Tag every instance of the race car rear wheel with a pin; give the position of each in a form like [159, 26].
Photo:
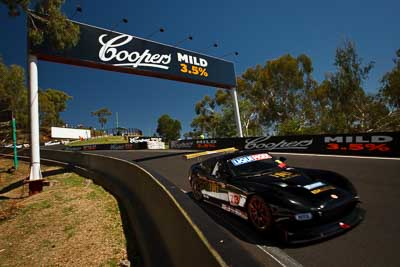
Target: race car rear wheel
[196, 190]
[259, 214]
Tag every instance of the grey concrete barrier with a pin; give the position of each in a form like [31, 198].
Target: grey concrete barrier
[166, 235]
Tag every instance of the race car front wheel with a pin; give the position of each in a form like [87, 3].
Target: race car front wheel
[196, 191]
[259, 213]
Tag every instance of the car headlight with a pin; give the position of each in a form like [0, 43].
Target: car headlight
[303, 216]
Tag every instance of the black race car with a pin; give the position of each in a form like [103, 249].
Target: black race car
[303, 204]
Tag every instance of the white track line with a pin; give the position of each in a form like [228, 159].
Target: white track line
[333, 156]
[279, 256]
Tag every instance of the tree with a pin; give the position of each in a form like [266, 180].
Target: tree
[51, 103]
[168, 128]
[279, 93]
[14, 97]
[47, 22]
[347, 103]
[13, 93]
[390, 89]
[389, 94]
[102, 115]
[208, 118]
[282, 98]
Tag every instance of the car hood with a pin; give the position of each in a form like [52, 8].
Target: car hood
[299, 189]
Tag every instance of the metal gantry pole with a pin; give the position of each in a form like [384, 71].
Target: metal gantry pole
[237, 113]
[35, 174]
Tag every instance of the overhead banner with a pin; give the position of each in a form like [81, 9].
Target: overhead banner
[385, 144]
[109, 50]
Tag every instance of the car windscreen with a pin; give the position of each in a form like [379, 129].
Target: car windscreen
[252, 164]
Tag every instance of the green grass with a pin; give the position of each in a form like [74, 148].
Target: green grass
[70, 230]
[111, 263]
[44, 204]
[71, 180]
[100, 140]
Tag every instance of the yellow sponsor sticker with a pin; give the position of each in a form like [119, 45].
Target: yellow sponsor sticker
[213, 187]
[322, 189]
[284, 175]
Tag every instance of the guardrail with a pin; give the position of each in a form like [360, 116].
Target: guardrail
[165, 234]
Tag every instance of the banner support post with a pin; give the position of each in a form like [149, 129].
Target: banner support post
[237, 112]
[35, 177]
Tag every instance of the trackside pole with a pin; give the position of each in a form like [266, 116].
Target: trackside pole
[237, 113]
[35, 177]
[14, 131]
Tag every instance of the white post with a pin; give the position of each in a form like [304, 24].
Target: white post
[237, 112]
[36, 173]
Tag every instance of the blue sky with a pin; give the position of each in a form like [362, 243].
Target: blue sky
[258, 30]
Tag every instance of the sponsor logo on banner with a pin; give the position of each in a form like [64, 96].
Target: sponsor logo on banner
[188, 144]
[134, 140]
[373, 143]
[117, 147]
[358, 139]
[206, 143]
[73, 148]
[192, 60]
[262, 143]
[109, 52]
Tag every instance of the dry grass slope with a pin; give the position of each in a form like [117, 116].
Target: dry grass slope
[71, 223]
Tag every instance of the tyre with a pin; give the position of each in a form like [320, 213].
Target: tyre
[259, 214]
[196, 190]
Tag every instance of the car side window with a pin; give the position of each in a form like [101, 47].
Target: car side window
[209, 166]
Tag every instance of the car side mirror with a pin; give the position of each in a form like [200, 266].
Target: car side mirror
[283, 159]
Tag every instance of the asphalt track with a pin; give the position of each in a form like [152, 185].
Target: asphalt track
[372, 243]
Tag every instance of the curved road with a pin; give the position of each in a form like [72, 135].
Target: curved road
[373, 243]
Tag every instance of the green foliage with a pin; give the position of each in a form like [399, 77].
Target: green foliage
[168, 128]
[14, 96]
[208, 119]
[47, 22]
[391, 84]
[13, 93]
[102, 115]
[51, 103]
[282, 98]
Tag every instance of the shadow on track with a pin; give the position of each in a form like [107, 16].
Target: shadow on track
[242, 229]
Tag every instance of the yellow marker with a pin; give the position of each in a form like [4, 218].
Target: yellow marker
[199, 154]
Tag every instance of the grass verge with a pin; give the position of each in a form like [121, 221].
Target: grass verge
[71, 223]
[100, 140]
